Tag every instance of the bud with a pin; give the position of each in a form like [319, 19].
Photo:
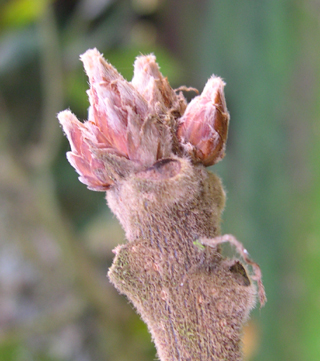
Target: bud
[203, 128]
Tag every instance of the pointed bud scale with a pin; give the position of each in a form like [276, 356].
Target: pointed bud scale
[148, 80]
[80, 156]
[203, 128]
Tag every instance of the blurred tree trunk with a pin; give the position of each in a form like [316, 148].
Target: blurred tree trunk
[303, 285]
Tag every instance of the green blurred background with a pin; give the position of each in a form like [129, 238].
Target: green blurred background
[56, 237]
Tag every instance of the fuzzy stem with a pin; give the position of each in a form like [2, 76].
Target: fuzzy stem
[193, 300]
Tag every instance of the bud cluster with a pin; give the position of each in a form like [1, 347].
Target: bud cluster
[132, 125]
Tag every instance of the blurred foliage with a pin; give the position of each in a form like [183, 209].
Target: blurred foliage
[22, 12]
[56, 237]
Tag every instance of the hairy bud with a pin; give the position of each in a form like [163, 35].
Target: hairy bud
[203, 128]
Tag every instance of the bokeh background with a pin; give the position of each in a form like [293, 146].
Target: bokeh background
[56, 237]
